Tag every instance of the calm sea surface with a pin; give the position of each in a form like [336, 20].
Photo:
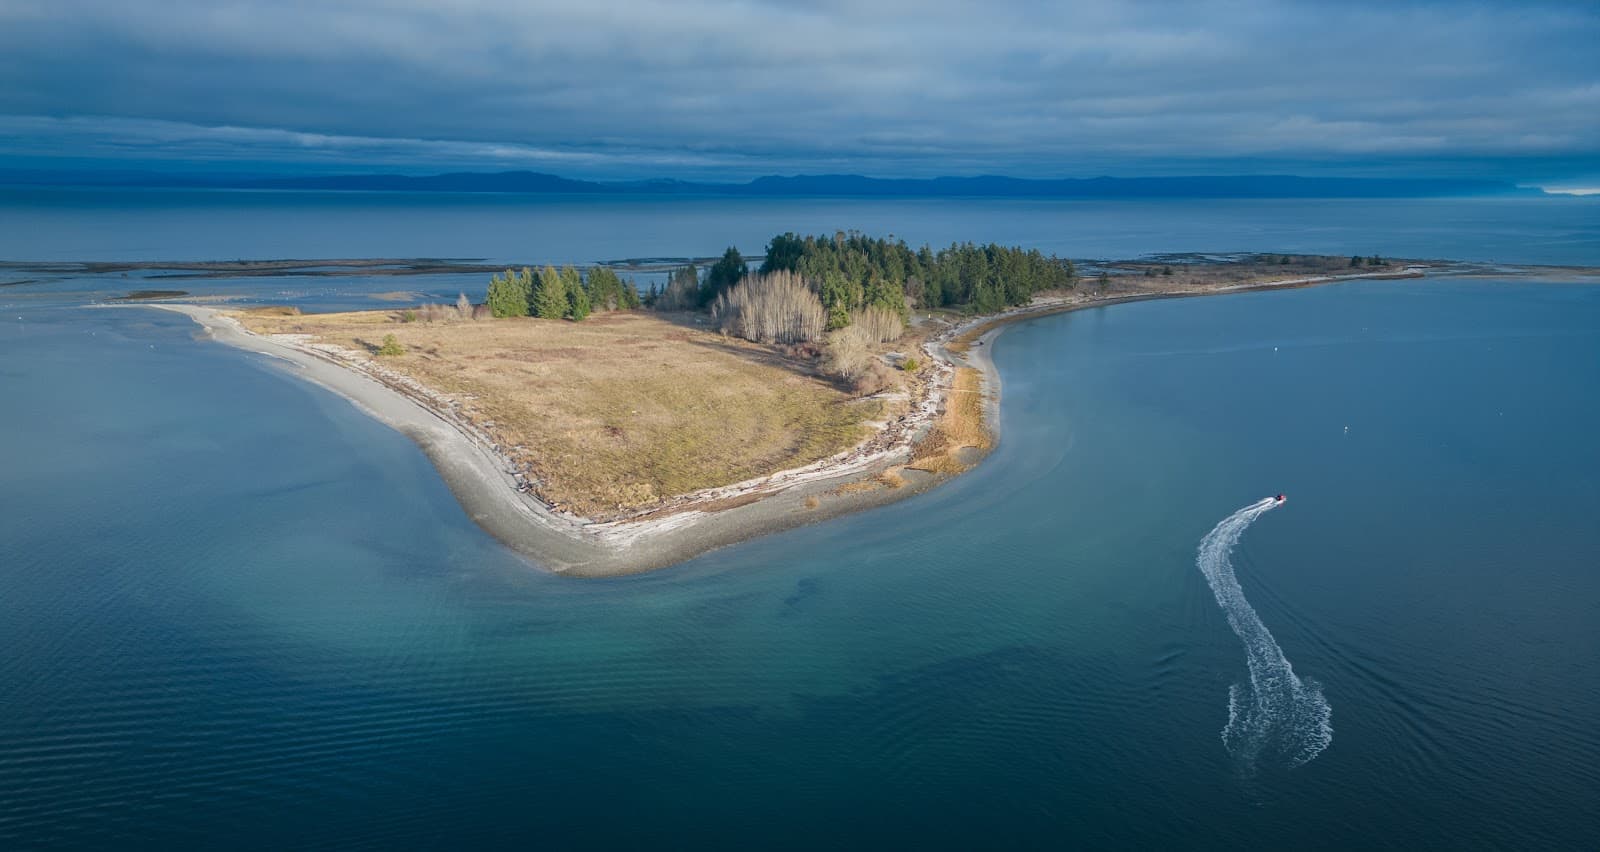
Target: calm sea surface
[194, 225]
[236, 612]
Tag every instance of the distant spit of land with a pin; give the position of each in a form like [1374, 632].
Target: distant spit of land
[637, 439]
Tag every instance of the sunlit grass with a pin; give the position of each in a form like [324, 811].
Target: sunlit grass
[620, 411]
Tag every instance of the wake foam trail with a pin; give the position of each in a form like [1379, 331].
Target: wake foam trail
[1278, 716]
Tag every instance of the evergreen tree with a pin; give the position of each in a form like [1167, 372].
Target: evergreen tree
[988, 298]
[578, 304]
[508, 293]
[496, 297]
[783, 252]
[835, 292]
[606, 290]
[723, 275]
[550, 297]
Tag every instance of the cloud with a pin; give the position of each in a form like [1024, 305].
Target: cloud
[608, 88]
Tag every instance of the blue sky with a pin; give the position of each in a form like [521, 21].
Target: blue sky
[720, 90]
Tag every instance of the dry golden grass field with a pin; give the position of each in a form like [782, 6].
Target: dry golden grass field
[619, 411]
[959, 428]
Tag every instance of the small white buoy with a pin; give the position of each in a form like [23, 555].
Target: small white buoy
[1347, 430]
[1274, 348]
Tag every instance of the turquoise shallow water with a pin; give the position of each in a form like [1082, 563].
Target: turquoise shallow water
[237, 612]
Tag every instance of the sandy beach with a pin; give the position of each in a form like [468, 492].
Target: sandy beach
[488, 487]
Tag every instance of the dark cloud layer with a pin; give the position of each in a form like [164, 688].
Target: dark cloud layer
[698, 89]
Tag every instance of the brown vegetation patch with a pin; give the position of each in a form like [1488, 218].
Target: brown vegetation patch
[963, 341]
[892, 478]
[960, 427]
[601, 428]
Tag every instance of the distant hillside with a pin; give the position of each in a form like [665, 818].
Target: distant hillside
[845, 186]
[455, 182]
[1241, 186]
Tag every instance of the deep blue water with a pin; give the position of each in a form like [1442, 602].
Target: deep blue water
[237, 612]
[46, 224]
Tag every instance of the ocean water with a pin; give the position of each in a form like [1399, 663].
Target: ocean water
[238, 612]
[51, 224]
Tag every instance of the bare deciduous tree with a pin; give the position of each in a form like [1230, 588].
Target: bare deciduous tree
[878, 323]
[776, 308]
[849, 353]
[682, 292]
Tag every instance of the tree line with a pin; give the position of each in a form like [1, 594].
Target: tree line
[851, 272]
[857, 271]
[559, 294]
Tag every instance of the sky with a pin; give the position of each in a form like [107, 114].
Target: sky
[692, 89]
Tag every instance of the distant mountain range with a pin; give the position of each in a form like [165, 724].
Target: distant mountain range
[847, 186]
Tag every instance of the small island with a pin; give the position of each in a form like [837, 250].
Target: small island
[600, 430]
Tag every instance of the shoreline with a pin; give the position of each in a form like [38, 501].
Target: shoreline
[489, 489]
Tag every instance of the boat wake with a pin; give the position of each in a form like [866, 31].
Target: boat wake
[1277, 717]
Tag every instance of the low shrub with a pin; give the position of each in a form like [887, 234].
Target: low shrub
[808, 351]
[439, 313]
[877, 378]
[391, 346]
